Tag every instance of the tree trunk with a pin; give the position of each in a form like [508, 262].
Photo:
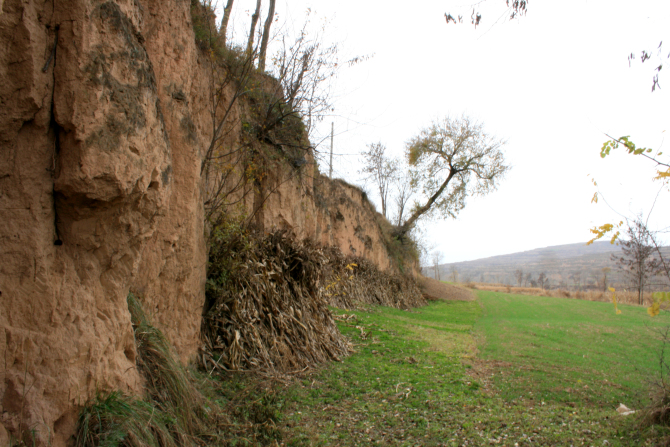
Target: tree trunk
[404, 229]
[383, 198]
[252, 31]
[224, 22]
[266, 36]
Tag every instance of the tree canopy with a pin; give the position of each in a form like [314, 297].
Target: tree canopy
[456, 159]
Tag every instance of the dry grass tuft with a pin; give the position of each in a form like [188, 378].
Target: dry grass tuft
[168, 383]
[173, 412]
[116, 420]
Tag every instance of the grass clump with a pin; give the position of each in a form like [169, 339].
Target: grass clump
[169, 385]
[117, 420]
[173, 413]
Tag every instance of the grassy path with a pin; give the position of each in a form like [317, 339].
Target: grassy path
[502, 370]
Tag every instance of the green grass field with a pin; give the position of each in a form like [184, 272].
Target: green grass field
[564, 350]
[506, 370]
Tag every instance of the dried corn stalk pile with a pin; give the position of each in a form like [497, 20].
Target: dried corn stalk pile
[265, 311]
[354, 281]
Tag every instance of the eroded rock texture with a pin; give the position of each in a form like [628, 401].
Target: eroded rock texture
[99, 191]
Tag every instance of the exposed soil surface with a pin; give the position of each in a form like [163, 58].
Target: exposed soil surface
[435, 290]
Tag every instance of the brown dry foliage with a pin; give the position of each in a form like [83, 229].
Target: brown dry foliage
[355, 281]
[270, 315]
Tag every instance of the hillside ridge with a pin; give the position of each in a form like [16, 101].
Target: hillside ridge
[567, 265]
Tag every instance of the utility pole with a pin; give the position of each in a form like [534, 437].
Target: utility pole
[332, 127]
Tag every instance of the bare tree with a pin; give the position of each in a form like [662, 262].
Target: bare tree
[266, 36]
[454, 273]
[515, 9]
[304, 69]
[528, 279]
[380, 170]
[456, 158]
[437, 258]
[602, 278]
[224, 162]
[577, 278]
[518, 275]
[224, 22]
[252, 30]
[405, 182]
[231, 167]
[542, 280]
[637, 260]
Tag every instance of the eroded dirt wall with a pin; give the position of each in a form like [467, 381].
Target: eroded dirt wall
[170, 279]
[99, 191]
[330, 212]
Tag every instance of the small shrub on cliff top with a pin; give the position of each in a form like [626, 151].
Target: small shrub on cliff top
[203, 19]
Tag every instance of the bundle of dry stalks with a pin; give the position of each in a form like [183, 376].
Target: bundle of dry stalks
[266, 312]
[355, 281]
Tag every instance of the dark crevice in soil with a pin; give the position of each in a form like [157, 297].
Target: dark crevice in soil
[56, 130]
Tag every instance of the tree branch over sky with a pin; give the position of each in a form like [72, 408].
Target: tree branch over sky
[457, 159]
[515, 9]
[379, 169]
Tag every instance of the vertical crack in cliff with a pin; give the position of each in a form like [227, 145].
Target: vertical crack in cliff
[56, 129]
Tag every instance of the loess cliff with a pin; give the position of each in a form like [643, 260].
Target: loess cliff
[104, 122]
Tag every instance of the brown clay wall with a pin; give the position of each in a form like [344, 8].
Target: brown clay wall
[330, 212]
[99, 192]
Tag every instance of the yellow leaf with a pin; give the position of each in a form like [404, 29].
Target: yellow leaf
[654, 309]
[618, 312]
[611, 289]
[615, 236]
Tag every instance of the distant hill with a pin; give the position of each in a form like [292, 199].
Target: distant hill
[566, 265]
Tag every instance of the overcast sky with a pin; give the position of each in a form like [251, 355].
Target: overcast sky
[551, 83]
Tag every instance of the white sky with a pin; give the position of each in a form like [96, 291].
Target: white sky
[551, 83]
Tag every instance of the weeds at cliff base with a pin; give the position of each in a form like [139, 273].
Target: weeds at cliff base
[168, 382]
[116, 420]
[173, 413]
